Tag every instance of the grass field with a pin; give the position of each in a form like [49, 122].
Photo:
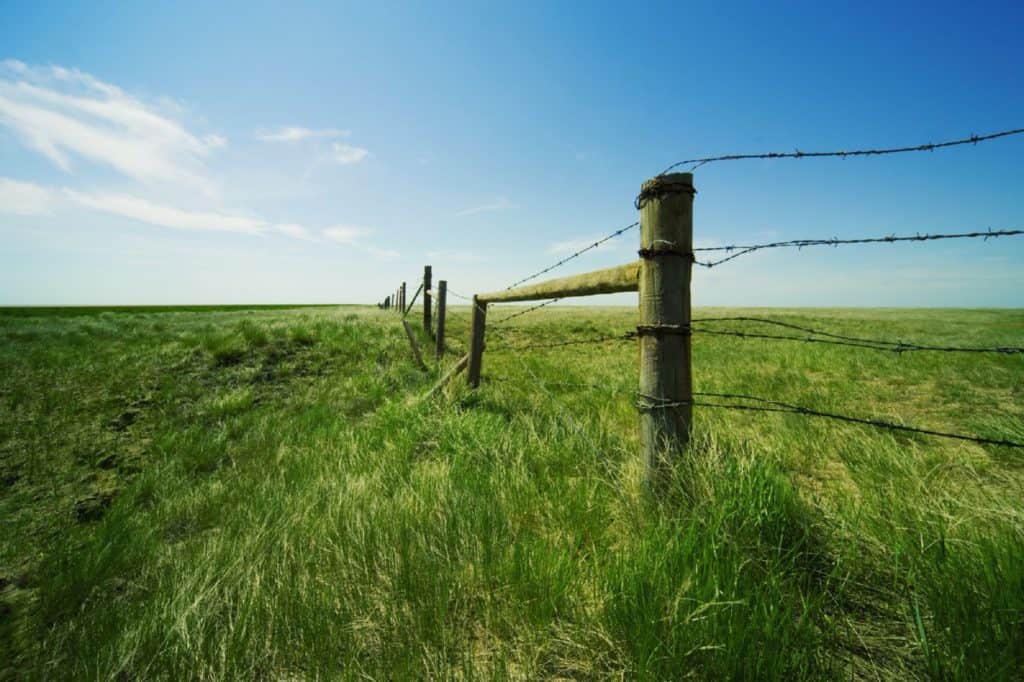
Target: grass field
[248, 493]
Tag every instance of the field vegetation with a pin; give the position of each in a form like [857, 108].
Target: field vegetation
[254, 493]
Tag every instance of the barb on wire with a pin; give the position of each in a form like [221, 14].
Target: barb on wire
[797, 154]
[801, 243]
[526, 310]
[840, 339]
[646, 402]
[568, 258]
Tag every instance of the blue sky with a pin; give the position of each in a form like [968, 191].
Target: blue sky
[322, 152]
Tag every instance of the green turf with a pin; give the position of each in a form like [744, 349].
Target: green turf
[249, 493]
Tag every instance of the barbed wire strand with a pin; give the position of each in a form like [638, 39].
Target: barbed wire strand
[832, 339]
[577, 254]
[768, 405]
[526, 310]
[627, 336]
[513, 315]
[801, 243]
[867, 346]
[840, 339]
[797, 154]
[458, 295]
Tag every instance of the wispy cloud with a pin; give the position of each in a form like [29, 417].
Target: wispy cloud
[24, 198]
[166, 216]
[294, 231]
[499, 204]
[346, 154]
[340, 152]
[345, 234]
[573, 245]
[350, 235]
[298, 133]
[68, 115]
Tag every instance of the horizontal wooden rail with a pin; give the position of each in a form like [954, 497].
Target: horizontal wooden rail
[607, 281]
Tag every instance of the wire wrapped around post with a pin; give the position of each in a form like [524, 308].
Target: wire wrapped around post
[666, 250]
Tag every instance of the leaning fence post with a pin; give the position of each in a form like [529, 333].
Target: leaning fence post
[426, 299]
[442, 300]
[476, 342]
[666, 251]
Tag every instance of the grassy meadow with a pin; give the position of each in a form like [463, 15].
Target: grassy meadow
[251, 494]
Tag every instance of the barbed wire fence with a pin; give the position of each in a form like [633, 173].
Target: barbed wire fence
[725, 326]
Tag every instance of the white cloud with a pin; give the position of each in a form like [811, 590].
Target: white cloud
[24, 198]
[298, 133]
[67, 115]
[347, 154]
[293, 230]
[166, 216]
[354, 236]
[345, 234]
[215, 141]
[14, 65]
[574, 245]
[499, 204]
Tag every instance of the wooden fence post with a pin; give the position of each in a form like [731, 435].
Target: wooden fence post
[442, 300]
[401, 298]
[476, 342]
[387, 303]
[426, 299]
[666, 251]
[415, 346]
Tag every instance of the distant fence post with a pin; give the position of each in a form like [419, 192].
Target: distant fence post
[426, 299]
[476, 342]
[401, 299]
[387, 302]
[666, 251]
[442, 300]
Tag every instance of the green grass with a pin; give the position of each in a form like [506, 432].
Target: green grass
[249, 493]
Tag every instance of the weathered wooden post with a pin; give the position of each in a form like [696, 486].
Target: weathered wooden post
[401, 299]
[666, 252]
[442, 301]
[426, 299]
[387, 303]
[476, 342]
